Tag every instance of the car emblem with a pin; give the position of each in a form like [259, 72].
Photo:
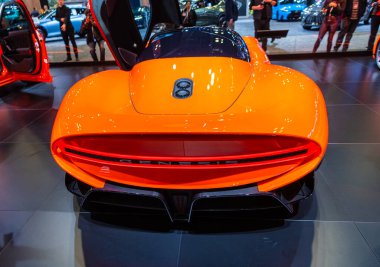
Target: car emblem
[183, 88]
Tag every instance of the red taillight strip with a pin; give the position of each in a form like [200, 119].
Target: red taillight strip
[188, 161]
[288, 155]
[107, 150]
[117, 157]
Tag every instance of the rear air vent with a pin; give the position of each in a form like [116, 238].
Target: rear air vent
[185, 161]
[296, 152]
[186, 150]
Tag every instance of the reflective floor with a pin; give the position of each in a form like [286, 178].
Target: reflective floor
[41, 224]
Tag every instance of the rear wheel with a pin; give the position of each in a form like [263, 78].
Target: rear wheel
[377, 55]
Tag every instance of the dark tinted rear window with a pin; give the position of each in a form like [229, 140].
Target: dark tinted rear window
[196, 42]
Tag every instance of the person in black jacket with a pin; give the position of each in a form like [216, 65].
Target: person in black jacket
[232, 13]
[351, 15]
[188, 15]
[333, 11]
[67, 30]
[262, 14]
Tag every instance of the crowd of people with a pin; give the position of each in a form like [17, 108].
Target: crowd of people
[343, 13]
[346, 13]
[88, 29]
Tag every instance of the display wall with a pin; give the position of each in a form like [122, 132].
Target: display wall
[300, 38]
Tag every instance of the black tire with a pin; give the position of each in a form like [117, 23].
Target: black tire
[306, 27]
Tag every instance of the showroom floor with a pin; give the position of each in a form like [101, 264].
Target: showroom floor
[41, 224]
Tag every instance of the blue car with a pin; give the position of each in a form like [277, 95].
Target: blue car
[49, 26]
[289, 10]
[142, 16]
[312, 16]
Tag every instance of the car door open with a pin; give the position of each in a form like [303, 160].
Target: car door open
[23, 51]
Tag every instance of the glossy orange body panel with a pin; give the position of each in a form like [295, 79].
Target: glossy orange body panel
[217, 83]
[247, 98]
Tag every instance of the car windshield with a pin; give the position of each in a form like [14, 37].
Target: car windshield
[196, 42]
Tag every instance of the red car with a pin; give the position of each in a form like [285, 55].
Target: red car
[23, 53]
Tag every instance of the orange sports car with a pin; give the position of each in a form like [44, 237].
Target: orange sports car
[22, 49]
[196, 119]
[376, 51]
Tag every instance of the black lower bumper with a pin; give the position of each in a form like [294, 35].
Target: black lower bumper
[182, 205]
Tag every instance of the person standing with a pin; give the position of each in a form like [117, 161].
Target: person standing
[67, 30]
[375, 22]
[232, 13]
[188, 15]
[333, 11]
[351, 15]
[93, 36]
[262, 14]
[34, 13]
